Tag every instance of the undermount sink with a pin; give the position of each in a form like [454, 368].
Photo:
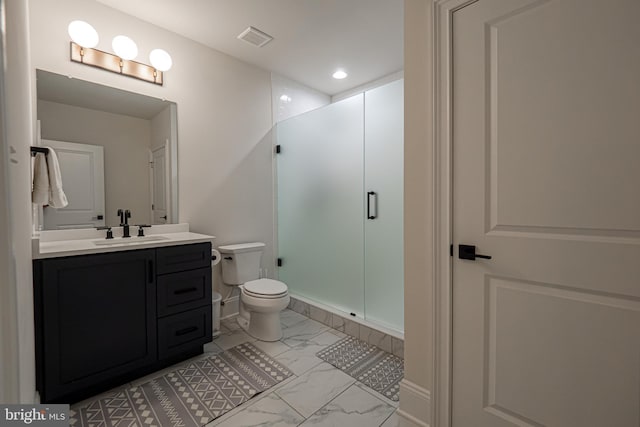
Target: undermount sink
[128, 240]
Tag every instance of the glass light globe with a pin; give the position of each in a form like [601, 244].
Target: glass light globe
[124, 47]
[160, 60]
[83, 34]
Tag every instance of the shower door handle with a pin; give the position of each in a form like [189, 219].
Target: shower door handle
[372, 205]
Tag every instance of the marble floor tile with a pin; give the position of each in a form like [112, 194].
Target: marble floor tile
[289, 318]
[337, 333]
[311, 391]
[302, 332]
[374, 337]
[272, 348]
[228, 340]
[320, 341]
[320, 315]
[299, 360]
[377, 395]
[253, 400]
[397, 346]
[299, 307]
[212, 348]
[354, 408]
[392, 421]
[302, 357]
[269, 411]
[230, 325]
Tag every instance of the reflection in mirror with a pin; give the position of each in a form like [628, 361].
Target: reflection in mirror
[116, 149]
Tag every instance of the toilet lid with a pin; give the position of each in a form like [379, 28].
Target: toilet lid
[265, 287]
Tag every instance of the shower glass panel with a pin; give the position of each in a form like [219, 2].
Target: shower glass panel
[321, 205]
[340, 205]
[383, 175]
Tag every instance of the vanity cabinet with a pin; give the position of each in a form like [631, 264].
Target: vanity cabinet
[105, 319]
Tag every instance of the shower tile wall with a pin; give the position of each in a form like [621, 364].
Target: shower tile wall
[372, 336]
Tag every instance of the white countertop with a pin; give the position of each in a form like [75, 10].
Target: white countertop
[62, 243]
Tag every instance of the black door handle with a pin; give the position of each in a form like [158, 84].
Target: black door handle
[369, 205]
[164, 217]
[469, 252]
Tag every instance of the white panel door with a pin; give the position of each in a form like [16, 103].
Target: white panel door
[546, 145]
[82, 171]
[159, 185]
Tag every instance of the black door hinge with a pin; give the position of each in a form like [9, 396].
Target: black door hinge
[278, 150]
[450, 250]
[279, 262]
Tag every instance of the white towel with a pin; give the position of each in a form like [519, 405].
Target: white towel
[40, 191]
[57, 198]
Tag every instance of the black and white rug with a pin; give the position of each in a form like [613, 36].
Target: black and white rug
[191, 395]
[368, 364]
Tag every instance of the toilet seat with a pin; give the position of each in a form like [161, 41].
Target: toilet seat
[265, 288]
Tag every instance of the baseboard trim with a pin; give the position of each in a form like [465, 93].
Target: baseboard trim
[415, 405]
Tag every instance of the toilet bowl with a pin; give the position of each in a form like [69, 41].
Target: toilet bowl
[261, 300]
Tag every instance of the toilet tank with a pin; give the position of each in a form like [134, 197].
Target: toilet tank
[244, 264]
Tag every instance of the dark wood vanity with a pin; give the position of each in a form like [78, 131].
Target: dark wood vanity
[102, 320]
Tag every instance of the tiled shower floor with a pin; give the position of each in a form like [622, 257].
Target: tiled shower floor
[317, 394]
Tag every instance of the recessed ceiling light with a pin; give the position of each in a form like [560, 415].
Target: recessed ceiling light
[340, 74]
[285, 98]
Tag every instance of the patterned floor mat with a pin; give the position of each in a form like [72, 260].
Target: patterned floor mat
[191, 395]
[368, 364]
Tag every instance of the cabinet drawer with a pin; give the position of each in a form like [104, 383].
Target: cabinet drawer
[181, 258]
[183, 291]
[182, 332]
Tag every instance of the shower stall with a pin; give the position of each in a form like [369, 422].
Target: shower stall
[340, 205]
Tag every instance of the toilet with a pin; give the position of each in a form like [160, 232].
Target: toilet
[261, 300]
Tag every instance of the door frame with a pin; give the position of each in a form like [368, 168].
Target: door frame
[441, 46]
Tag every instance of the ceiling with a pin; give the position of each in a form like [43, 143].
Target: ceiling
[312, 38]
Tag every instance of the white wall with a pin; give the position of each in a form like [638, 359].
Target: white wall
[223, 110]
[290, 98]
[9, 385]
[17, 107]
[415, 388]
[126, 141]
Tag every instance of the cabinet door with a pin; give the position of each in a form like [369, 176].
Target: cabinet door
[184, 331]
[99, 319]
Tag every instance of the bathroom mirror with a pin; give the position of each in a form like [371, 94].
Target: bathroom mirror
[116, 150]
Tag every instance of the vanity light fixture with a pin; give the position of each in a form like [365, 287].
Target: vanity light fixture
[84, 38]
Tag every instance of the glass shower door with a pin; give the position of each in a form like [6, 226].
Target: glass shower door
[321, 204]
[384, 177]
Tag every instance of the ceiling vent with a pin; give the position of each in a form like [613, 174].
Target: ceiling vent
[255, 37]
